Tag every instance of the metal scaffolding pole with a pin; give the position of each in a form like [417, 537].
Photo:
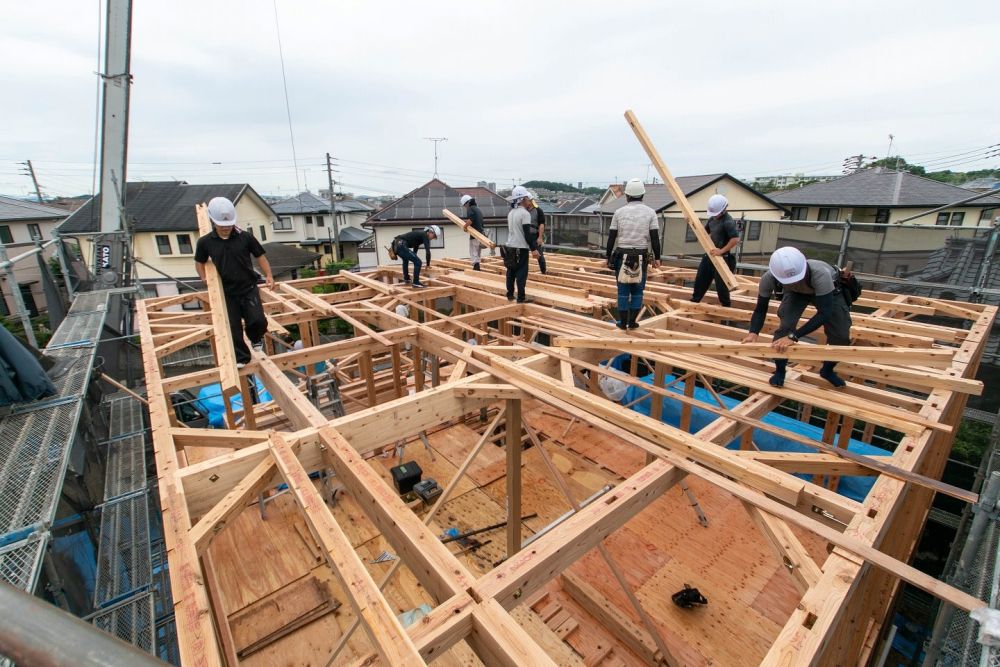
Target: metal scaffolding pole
[15, 292]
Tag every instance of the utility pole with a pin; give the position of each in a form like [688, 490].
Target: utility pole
[333, 206]
[436, 141]
[31, 171]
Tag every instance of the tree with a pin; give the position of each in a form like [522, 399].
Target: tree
[899, 164]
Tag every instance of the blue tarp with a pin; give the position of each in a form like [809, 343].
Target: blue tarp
[210, 402]
[855, 487]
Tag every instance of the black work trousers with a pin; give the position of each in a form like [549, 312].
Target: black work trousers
[517, 272]
[245, 309]
[837, 328]
[541, 252]
[706, 274]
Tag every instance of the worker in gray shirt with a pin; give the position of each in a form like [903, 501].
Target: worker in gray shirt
[634, 232]
[520, 243]
[803, 282]
[725, 237]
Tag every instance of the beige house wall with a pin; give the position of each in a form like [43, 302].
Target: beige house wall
[971, 216]
[456, 241]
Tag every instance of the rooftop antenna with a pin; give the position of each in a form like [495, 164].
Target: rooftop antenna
[888, 151]
[436, 141]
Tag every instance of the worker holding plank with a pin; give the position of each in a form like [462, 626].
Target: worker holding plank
[474, 219]
[406, 246]
[725, 235]
[803, 282]
[230, 250]
[520, 243]
[634, 231]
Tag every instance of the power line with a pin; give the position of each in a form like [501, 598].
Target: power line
[284, 83]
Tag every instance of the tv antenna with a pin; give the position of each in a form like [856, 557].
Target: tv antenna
[436, 141]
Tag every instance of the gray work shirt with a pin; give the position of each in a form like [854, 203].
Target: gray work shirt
[634, 221]
[820, 279]
[722, 228]
[517, 217]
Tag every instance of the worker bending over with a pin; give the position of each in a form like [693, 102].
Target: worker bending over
[803, 282]
[230, 250]
[634, 231]
[725, 237]
[474, 217]
[538, 230]
[406, 246]
[520, 242]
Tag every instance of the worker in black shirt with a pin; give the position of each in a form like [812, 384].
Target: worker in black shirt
[406, 246]
[725, 236]
[230, 250]
[538, 230]
[474, 216]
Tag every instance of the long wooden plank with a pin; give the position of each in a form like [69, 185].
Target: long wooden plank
[378, 618]
[804, 569]
[216, 519]
[696, 225]
[468, 229]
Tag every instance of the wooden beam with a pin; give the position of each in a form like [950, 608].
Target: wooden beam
[468, 229]
[803, 568]
[379, 620]
[234, 502]
[490, 391]
[512, 428]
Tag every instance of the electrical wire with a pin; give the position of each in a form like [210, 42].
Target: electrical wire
[284, 83]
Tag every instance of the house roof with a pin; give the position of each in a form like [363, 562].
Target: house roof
[478, 191]
[575, 205]
[18, 209]
[287, 258]
[158, 206]
[307, 202]
[353, 235]
[424, 205]
[659, 198]
[882, 188]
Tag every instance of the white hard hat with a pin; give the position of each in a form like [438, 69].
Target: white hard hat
[222, 212]
[435, 229]
[787, 265]
[519, 192]
[635, 188]
[465, 199]
[716, 205]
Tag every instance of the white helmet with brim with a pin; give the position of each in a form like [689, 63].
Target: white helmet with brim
[787, 265]
[435, 229]
[222, 212]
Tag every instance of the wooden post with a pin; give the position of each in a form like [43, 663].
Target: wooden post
[512, 425]
[397, 373]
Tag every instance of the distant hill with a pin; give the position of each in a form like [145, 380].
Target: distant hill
[556, 186]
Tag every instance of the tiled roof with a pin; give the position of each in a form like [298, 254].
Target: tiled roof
[477, 192]
[426, 202]
[658, 197]
[880, 188]
[307, 202]
[576, 204]
[353, 235]
[286, 258]
[156, 206]
[18, 209]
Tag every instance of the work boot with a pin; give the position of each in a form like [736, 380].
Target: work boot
[826, 372]
[475, 267]
[633, 319]
[621, 318]
[778, 379]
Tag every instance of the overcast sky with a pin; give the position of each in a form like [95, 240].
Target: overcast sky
[521, 90]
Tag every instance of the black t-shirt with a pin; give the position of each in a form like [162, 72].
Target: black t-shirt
[231, 258]
[537, 219]
[476, 216]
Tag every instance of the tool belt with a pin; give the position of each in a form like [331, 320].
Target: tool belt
[511, 256]
[391, 249]
[632, 264]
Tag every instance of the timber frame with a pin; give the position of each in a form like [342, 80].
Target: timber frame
[908, 377]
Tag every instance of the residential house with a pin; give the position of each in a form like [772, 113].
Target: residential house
[422, 207]
[304, 220]
[874, 201]
[165, 227]
[286, 260]
[22, 223]
[985, 184]
[677, 237]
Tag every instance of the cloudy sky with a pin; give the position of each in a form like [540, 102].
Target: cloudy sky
[521, 90]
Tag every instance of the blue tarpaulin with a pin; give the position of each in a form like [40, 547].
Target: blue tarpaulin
[210, 402]
[855, 487]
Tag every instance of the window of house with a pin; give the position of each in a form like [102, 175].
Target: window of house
[800, 213]
[901, 270]
[320, 221]
[163, 244]
[957, 219]
[986, 215]
[689, 235]
[881, 216]
[309, 219]
[35, 231]
[194, 304]
[942, 219]
[753, 230]
[436, 243]
[263, 233]
[5, 236]
[828, 214]
[327, 249]
[184, 244]
[283, 224]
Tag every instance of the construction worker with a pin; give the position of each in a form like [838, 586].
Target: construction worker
[520, 242]
[406, 246]
[230, 250]
[803, 282]
[725, 236]
[538, 230]
[474, 217]
[634, 231]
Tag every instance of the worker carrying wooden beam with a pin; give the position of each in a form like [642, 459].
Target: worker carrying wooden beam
[520, 244]
[230, 250]
[803, 282]
[725, 235]
[474, 218]
[634, 232]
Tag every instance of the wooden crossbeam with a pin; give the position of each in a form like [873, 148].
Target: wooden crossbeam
[216, 519]
[468, 229]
